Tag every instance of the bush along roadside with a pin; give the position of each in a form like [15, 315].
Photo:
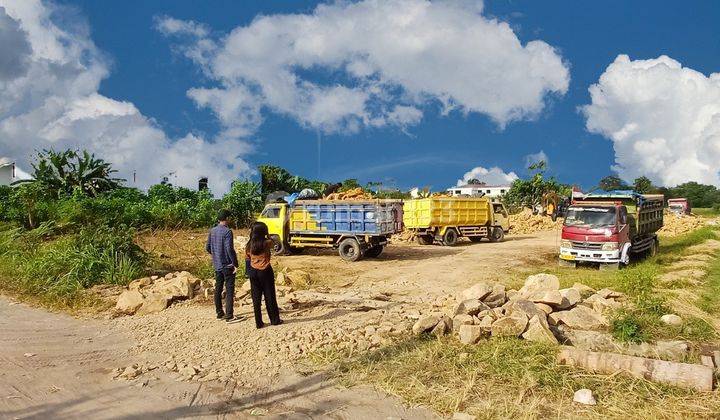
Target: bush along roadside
[56, 269]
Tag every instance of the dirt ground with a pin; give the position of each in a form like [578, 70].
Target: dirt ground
[192, 365]
[53, 366]
[425, 273]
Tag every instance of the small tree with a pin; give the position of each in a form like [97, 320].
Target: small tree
[529, 192]
[61, 173]
[612, 182]
[643, 185]
[243, 200]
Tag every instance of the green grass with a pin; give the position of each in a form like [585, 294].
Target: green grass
[507, 378]
[707, 211]
[55, 269]
[710, 298]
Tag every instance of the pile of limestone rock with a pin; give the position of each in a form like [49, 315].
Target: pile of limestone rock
[540, 311]
[154, 294]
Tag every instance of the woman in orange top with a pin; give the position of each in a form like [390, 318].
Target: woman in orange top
[261, 275]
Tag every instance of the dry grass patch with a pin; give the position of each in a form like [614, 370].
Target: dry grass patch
[509, 378]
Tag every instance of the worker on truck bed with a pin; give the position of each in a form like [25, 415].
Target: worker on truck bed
[220, 247]
[262, 278]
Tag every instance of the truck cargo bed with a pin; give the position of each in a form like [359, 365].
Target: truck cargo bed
[446, 211]
[372, 217]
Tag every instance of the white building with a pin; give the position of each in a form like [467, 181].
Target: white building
[7, 173]
[492, 191]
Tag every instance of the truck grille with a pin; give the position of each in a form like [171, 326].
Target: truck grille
[595, 246]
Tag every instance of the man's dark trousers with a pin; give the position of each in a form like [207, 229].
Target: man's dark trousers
[224, 278]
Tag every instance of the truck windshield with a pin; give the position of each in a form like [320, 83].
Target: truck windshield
[590, 216]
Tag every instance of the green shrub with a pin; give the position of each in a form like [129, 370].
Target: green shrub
[61, 267]
[628, 327]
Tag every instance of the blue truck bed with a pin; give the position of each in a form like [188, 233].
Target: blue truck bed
[372, 217]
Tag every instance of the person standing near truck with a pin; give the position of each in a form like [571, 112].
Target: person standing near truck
[261, 275]
[220, 247]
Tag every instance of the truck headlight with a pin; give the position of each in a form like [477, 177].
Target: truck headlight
[610, 246]
[565, 244]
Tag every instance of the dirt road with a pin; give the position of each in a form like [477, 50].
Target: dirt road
[422, 273]
[54, 366]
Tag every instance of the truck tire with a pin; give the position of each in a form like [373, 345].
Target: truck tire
[475, 238]
[450, 238]
[374, 252]
[425, 239]
[654, 248]
[349, 249]
[279, 247]
[497, 234]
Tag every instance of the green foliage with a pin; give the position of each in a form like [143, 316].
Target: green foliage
[243, 201]
[58, 268]
[643, 185]
[699, 195]
[349, 184]
[529, 192]
[274, 178]
[627, 327]
[612, 182]
[61, 173]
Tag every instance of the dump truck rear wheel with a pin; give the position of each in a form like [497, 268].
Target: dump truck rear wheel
[374, 252]
[475, 238]
[425, 239]
[349, 249]
[450, 237]
[497, 234]
[279, 247]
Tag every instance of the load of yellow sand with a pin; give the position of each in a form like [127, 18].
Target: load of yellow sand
[354, 194]
[675, 225]
[525, 222]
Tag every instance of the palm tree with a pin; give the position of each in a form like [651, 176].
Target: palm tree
[61, 173]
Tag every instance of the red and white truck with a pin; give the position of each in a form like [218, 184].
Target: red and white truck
[679, 206]
[606, 228]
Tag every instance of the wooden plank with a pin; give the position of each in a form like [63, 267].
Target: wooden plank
[683, 375]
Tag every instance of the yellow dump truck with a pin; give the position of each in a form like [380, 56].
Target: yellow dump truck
[447, 219]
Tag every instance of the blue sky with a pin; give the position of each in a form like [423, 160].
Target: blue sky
[149, 70]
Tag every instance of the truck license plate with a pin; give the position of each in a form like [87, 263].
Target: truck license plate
[568, 257]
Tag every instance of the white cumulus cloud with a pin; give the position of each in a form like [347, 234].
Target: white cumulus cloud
[663, 120]
[492, 176]
[49, 80]
[373, 63]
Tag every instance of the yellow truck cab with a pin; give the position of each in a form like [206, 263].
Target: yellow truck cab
[275, 217]
[447, 219]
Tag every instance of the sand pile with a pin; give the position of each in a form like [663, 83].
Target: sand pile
[354, 194]
[525, 222]
[675, 225]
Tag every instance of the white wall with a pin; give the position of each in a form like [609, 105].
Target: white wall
[493, 191]
[6, 175]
